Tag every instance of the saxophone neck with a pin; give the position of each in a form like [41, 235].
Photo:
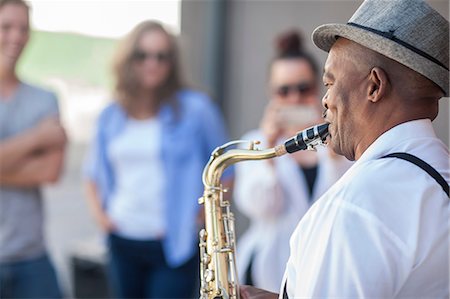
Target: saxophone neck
[221, 159]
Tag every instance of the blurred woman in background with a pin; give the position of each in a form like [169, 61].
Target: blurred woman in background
[275, 194]
[143, 173]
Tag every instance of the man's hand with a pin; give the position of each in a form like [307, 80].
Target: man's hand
[15, 151]
[49, 133]
[35, 170]
[249, 292]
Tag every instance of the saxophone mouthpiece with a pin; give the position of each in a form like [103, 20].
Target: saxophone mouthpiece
[308, 139]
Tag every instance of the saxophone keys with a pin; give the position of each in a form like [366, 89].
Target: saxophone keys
[226, 250]
[203, 234]
[252, 145]
[206, 258]
[209, 275]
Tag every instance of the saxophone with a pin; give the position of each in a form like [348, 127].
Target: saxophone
[218, 275]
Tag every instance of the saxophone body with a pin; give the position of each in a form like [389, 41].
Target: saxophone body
[218, 275]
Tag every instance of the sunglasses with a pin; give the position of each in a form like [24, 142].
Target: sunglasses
[303, 88]
[160, 57]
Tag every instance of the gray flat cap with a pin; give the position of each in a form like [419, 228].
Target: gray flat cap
[407, 31]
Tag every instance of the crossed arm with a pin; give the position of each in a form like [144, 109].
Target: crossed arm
[33, 157]
[249, 292]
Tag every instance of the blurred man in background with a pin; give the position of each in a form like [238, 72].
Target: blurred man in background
[31, 154]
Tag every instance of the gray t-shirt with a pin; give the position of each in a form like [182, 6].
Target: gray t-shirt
[21, 210]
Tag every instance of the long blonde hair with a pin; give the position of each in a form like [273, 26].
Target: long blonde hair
[126, 84]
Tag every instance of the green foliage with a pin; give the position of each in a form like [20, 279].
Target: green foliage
[72, 57]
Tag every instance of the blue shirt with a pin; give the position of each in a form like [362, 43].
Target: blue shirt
[189, 135]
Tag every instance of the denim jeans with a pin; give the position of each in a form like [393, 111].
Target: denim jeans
[138, 270]
[35, 278]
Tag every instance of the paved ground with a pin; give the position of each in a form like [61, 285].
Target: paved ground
[69, 226]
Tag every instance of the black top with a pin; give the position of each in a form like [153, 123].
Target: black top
[310, 177]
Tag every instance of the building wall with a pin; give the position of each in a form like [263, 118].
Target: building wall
[250, 30]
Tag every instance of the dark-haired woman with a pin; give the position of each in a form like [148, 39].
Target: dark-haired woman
[275, 194]
[144, 169]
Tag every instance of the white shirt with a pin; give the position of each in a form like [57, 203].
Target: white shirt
[275, 199]
[137, 205]
[382, 231]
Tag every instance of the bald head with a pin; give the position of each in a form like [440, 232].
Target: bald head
[412, 89]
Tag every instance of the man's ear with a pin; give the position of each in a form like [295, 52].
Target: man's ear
[378, 84]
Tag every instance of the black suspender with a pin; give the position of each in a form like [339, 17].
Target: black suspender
[285, 295]
[425, 166]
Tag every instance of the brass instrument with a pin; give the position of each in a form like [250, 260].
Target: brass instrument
[218, 275]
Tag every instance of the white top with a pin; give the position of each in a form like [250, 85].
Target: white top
[137, 206]
[382, 231]
[275, 199]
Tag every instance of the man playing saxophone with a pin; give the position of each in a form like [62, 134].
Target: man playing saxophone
[382, 230]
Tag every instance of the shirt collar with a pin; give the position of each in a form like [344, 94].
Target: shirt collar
[387, 142]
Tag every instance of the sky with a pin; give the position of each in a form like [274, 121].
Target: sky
[102, 18]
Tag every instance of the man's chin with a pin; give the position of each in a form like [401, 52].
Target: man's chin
[334, 146]
[9, 61]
